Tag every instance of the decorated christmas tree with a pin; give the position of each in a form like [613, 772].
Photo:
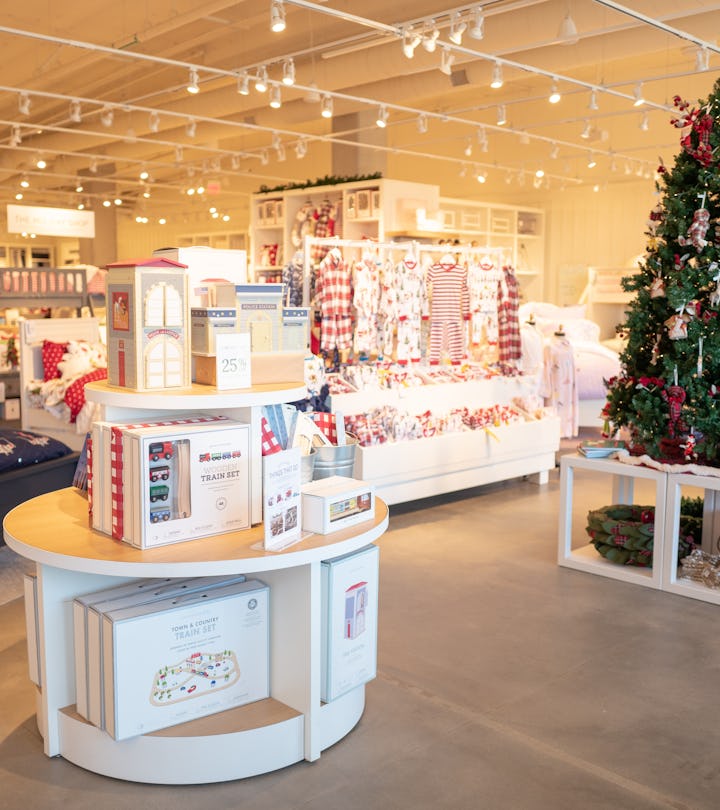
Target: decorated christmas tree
[667, 396]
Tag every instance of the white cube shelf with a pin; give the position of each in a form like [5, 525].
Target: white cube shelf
[710, 485]
[622, 478]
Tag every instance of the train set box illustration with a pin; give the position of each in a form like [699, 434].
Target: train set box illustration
[186, 657]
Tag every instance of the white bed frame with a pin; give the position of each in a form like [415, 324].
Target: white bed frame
[32, 334]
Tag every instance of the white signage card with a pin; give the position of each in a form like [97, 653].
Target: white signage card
[281, 493]
[232, 353]
[50, 221]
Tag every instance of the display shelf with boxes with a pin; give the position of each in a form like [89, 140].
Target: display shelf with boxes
[621, 478]
[290, 725]
[420, 467]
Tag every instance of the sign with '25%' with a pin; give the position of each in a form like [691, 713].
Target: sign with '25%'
[233, 360]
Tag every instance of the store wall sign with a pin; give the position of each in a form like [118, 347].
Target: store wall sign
[50, 221]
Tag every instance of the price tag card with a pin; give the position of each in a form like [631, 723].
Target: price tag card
[232, 353]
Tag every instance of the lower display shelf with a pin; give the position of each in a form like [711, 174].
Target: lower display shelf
[587, 559]
[262, 736]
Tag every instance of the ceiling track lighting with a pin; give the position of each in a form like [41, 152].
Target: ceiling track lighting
[446, 60]
[524, 138]
[501, 116]
[382, 117]
[79, 188]
[75, 111]
[243, 84]
[587, 130]
[24, 182]
[280, 152]
[457, 28]
[192, 85]
[540, 172]
[326, 106]
[496, 82]
[644, 122]
[593, 103]
[482, 177]
[411, 39]
[592, 163]
[638, 99]
[275, 142]
[477, 29]
[554, 151]
[277, 16]
[288, 73]
[422, 123]
[106, 116]
[93, 165]
[144, 174]
[301, 149]
[554, 96]
[154, 121]
[15, 136]
[468, 148]
[235, 162]
[24, 104]
[264, 158]
[275, 97]
[261, 80]
[702, 60]
[40, 162]
[191, 128]
[430, 36]
[178, 154]
[567, 34]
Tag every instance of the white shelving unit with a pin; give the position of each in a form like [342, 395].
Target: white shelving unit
[622, 479]
[73, 559]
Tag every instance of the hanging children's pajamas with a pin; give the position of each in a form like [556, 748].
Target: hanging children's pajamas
[333, 291]
[366, 290]
[483, 281]
[449, 307]
[560, 388]
[388, 312]
[293, 280]
[509, 343]
[412, 307]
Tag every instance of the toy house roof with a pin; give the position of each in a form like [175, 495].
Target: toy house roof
[151, 261]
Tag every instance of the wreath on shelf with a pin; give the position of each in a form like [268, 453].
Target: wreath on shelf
[624, 533]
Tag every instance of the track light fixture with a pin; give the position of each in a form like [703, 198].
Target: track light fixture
[264, 158]
[79, 188]
[93, 165]
[288, 76]
[243, 84]
[554, 96]
[191, 128]
[482, 139]
[568, 34]
[192, 85]
[587, 130]
[277, 16]
[446, 60]
[468, 148]
[497, 76]
[411, 39]
[275, 97]
[554, 151]
[326, 106]
[24, 182]
[382, 117]
[301, 149]
[154, 121]
[422, 123]
[144, 174]
[275, 141]
[501, 116]
[75, 111]
[482, 177]
[15, 136]
[477, 30]
[592, 163]
[107, 116]
[40, 162]
[644, 123]
[540, 173]
[702, 60]
[593, 103]
[280, 152]
[178, 154]
[261, 81]
[457, 28]
[430, 36]
[639, 100]
[24, 104]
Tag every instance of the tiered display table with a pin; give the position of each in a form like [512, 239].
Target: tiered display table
[72, 559]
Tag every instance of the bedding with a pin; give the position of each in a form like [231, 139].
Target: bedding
[67, 368]
[23, 448]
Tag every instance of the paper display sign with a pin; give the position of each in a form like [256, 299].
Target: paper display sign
[232, 353]
[281, 492]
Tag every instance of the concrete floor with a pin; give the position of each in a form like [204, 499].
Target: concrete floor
[504, 681]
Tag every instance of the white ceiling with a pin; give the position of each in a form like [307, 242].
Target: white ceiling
[135, 58]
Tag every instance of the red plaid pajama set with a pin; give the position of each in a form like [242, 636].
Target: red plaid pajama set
[334, 295]
[509, 343]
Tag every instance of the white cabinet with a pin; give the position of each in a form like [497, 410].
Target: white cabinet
[73, 559]
[372, 209]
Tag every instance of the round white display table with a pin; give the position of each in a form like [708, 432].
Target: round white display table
[293, 724]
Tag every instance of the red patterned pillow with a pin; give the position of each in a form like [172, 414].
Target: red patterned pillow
[52, 354]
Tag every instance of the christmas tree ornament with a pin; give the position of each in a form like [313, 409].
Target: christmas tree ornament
[677, 327]
[697, 230]
[675, 397]
[657, 288]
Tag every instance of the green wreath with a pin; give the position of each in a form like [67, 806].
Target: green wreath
[624, 533]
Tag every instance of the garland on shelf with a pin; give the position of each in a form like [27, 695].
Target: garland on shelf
[328, 180]
[624, 533]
